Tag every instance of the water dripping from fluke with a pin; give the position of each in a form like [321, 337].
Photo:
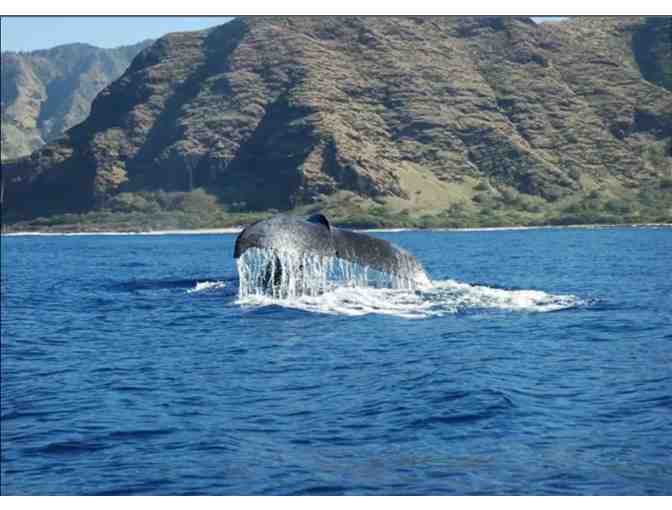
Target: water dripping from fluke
[288, 257]
[311, 266]
[287, 275]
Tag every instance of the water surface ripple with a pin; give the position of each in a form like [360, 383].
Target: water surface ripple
[538, 362]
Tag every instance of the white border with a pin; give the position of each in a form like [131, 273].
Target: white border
[354, 7]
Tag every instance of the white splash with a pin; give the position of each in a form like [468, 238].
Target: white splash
[465, 296]
[207, 285]
[286, 274]
[334, 286]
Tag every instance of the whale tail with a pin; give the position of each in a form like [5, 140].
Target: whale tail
[296, 254]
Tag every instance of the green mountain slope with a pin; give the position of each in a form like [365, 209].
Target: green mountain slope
[405, 121]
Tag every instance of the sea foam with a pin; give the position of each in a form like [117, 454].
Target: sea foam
[334, 286]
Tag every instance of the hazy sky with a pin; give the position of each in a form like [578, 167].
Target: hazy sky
[35, 33]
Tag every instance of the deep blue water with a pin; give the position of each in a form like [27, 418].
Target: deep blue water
[125, 372]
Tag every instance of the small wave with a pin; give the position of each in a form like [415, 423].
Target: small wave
[433, 300]
[190, 284]
[206, 286]
[68, 447]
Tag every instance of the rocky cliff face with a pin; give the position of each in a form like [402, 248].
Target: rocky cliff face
[46, 92]
[279, 112]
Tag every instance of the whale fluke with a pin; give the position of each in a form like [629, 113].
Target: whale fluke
[316, 236]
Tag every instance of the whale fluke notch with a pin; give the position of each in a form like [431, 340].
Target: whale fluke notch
[315, 236]
[319, 219]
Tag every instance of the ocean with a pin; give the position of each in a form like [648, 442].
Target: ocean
[534, 361]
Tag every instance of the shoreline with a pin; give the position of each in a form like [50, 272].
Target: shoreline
[236, 230]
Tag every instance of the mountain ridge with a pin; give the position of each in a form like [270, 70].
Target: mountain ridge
[413, 114]
[47, 91]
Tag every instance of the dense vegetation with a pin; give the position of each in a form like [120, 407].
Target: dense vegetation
[154, 211]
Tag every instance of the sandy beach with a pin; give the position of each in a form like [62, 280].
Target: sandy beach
[236, 230]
